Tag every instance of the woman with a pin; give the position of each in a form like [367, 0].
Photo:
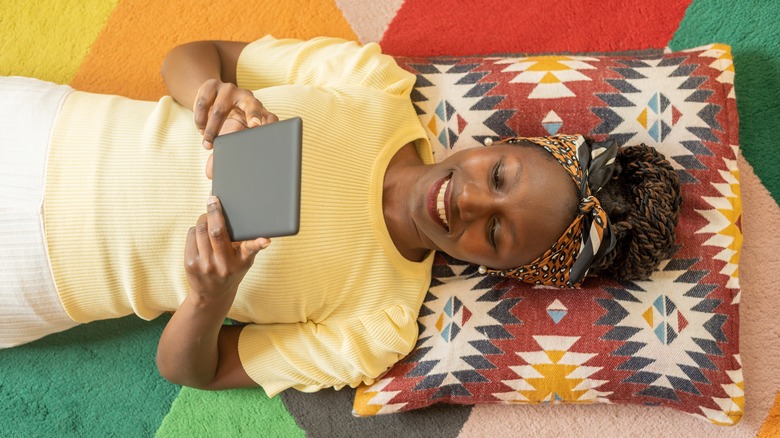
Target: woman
[104, 225]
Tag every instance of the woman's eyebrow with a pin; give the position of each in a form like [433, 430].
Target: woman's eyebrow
[518, 173]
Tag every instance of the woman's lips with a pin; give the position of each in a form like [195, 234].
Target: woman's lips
[438, 202]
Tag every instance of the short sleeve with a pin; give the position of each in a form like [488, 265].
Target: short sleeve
[311, 356]
[321, 62]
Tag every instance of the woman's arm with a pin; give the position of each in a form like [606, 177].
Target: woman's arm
[194, 349]
[227, 371]
[202, 76]
[188, 66]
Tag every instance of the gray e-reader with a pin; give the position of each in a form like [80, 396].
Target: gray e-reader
[257, 178]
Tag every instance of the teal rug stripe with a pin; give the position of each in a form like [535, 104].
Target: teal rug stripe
[751, 28]
[235, 413]
[95, 380]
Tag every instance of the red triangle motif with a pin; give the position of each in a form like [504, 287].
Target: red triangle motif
[461, 124]
[676, 114]
[681, 322]
[466, 316]
[739, 223]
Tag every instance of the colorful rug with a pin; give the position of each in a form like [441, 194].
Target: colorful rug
[100, 379]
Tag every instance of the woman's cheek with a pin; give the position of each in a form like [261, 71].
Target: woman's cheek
[468, 249]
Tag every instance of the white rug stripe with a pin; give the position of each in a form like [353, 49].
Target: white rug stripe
[369, 18]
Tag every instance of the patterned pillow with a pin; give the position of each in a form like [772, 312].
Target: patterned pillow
[671, 340]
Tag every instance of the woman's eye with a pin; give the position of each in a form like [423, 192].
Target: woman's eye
[492, 233]
[497, 175]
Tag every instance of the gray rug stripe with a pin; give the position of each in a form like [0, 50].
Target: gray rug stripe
[328, 414]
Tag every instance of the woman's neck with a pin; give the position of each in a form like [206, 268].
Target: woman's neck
[404, 169]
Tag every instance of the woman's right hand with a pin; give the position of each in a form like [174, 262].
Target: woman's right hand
[194, 349]
[214, 265]
[222, 108]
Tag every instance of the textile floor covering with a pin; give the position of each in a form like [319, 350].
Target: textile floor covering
[100, 379]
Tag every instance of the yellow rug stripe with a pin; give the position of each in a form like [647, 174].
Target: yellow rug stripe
[49, 40]
[127, 55]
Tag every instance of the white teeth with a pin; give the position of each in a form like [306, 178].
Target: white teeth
[440, 203]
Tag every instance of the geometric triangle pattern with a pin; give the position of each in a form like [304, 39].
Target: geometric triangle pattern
[665, 101]
[554, 374]
[724, 220]
[549, 74]
[672, 340]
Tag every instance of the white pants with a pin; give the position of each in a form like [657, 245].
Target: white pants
[29, 305]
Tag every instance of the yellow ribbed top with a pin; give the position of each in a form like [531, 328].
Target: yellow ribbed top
[334, 305]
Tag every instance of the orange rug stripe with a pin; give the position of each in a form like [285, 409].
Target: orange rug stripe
[771, 427]
[126, 57]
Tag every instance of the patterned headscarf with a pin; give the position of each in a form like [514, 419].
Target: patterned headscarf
[589, 236]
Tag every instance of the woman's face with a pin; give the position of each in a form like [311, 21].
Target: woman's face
[500, 206]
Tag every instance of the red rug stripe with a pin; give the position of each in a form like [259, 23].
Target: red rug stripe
[465, 27]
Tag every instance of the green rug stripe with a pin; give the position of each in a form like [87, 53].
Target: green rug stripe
[95, 380]
[235, 413]
[751, 28]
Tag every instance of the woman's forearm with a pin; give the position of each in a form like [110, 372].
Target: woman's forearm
[191, 350]
[188, 351]
[187, 67]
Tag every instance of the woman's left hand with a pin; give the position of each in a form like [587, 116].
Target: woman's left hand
[221, 108]
[214, 265]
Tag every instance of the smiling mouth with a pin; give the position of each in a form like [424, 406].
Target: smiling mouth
[439, 203]
[441, 207]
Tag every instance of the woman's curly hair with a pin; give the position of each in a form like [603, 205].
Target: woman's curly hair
[643, 203]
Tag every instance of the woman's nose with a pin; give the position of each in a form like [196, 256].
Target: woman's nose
[473, 202]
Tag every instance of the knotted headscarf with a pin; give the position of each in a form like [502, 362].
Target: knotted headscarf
[589, 236]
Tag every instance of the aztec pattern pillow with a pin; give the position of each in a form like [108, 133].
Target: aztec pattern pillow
[671, 340]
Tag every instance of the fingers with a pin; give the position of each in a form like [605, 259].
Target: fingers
[210, 257]
[257, 114]
[210, 166]
[216, 101]
[269, 117]
[207, 93]
[250, 248]
[191, 250]
[217, 231]
[254, 111]
[220, 109]
[202, 242]
[208, 243]
[213, 103]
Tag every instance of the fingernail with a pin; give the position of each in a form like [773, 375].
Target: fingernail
[206, 144]
[212, 200]
[257, 121]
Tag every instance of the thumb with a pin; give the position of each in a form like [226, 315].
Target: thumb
[253, 120]
[250, 248]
